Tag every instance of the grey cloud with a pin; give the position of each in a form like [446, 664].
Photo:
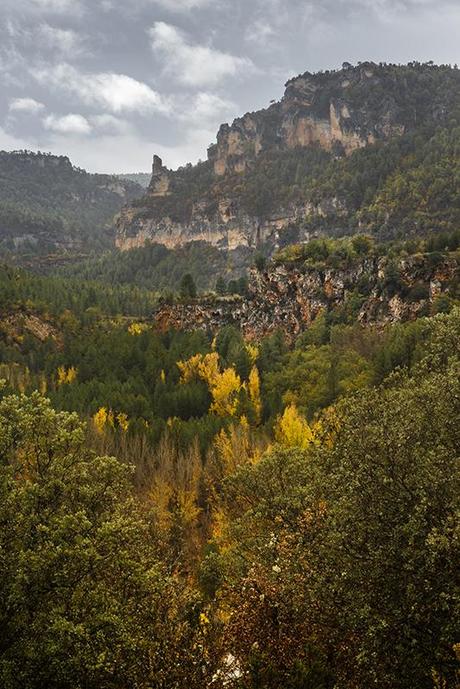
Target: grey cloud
[182, 5]
[44, 7]
[46, 39]
[120, 80]
[54, 5]
[65, 42]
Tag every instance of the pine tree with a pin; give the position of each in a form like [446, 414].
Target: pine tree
[221, 286]
[188, 287]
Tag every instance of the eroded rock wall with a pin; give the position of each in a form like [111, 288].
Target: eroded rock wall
[289, 298]
[339, 112]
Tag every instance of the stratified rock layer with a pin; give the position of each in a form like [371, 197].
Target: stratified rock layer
[334, 112]
[290, 297]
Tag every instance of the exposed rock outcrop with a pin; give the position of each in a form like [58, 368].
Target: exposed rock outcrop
[228, 228]
[226, 199]
[160, 182]
[306, 116]
[16, 324]
[290, 297]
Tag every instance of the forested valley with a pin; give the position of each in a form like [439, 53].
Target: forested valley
[230, 393]
[193, 509]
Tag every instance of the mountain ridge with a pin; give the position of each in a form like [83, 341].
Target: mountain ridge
[49, 206]
[269, 170]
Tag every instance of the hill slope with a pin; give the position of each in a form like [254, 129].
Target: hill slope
[141, 178]
[372, 147]
[48, 205]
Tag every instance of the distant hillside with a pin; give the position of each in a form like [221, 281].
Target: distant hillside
[141, 178]
[47, 205]
[372, 148]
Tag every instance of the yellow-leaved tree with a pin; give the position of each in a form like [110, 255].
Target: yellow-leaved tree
[231, 448]
[225, 392]
[66, 375]
[173, 490]
[254, 393]
[123, 421]
[200, 366]
[292, 429]
[136, 328]
[224, 387]
[103, 418]
[100, 419]
[253, 352]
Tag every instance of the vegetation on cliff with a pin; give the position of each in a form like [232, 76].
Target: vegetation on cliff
[419, 92]
[46, 204]
[155, 267]
[398, 176]
[406, 187]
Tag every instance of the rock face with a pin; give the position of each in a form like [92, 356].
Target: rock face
[228, 228]
[311, 111]
[16, 324]
[334, 112]
[290, 297]
[160, 182]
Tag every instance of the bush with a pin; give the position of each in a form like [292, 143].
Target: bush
[418, 292]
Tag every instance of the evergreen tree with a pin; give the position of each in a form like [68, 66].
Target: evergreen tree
[187, 287]
[221, 286]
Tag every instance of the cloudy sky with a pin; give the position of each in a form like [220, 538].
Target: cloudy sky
[110, 82]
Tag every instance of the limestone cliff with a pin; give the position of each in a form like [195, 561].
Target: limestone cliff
[269, 170]
[160, 182]
[312, 111]
[290, 297]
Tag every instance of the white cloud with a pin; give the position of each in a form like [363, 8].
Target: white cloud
[204, 108]
[67, 124]
[28, 105]
[120, 153]
[108, 124]
[116, 92]
[65, 41]
[194, 65]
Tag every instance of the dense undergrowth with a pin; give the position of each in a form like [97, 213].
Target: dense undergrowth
[284, 551]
